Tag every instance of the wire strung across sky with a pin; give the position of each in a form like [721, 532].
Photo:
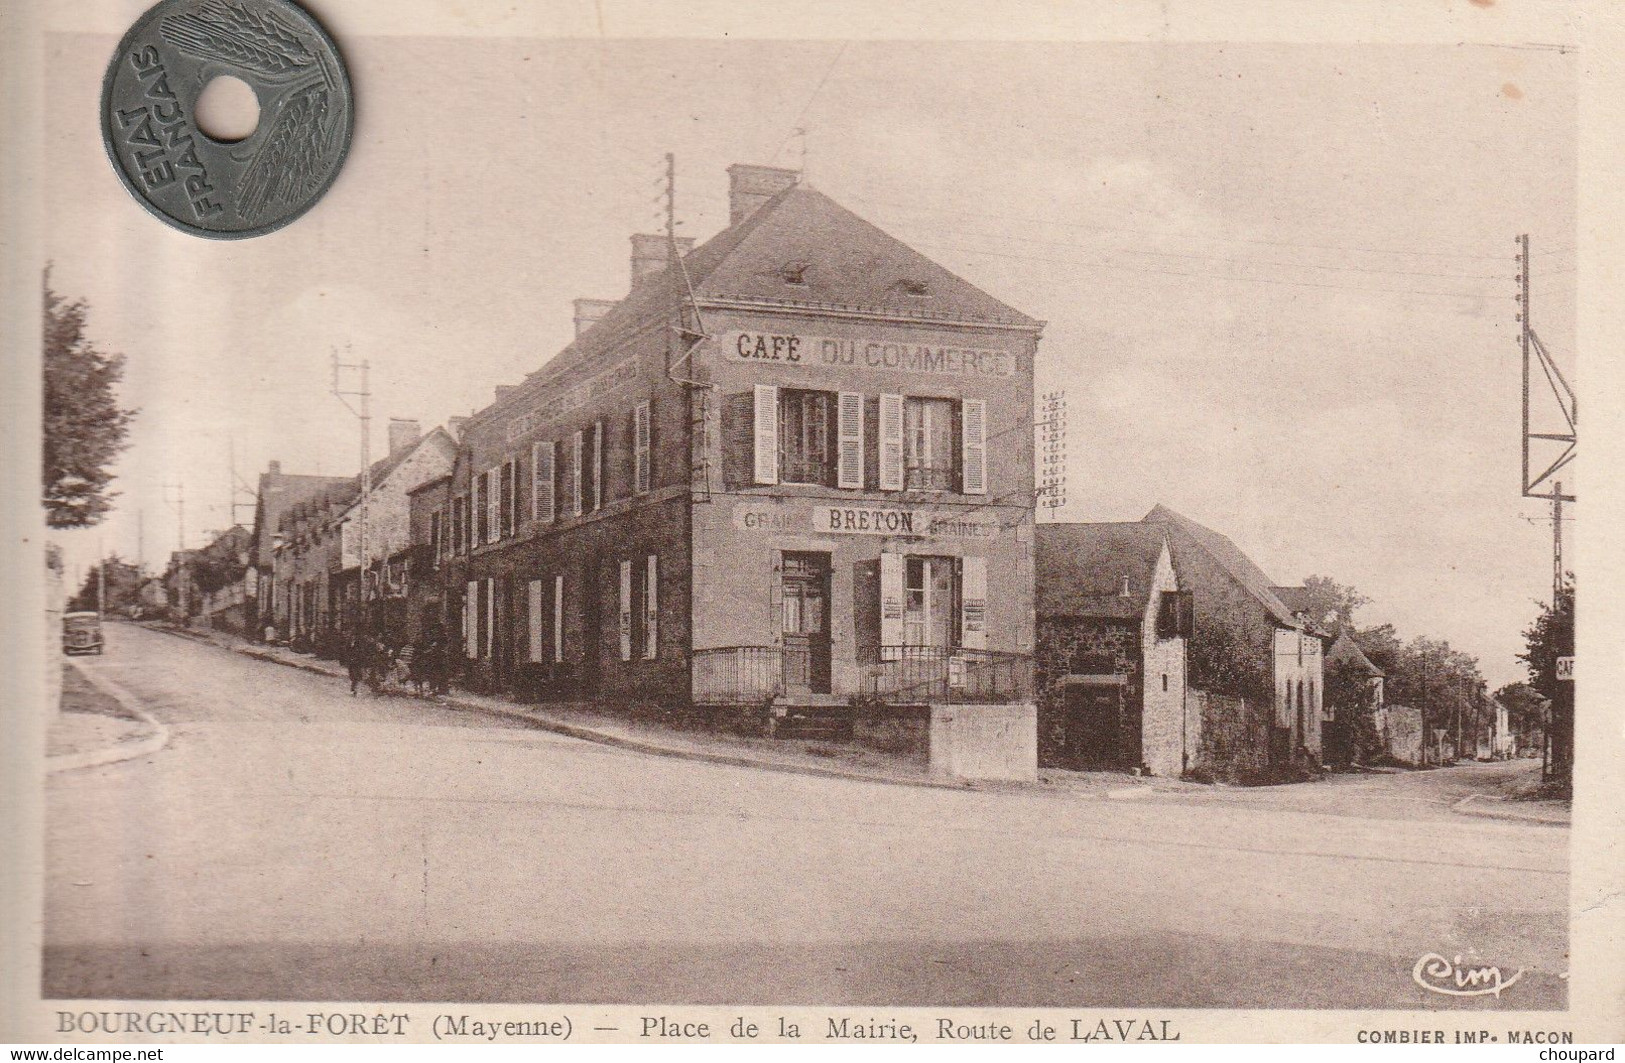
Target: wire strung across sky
[987, 252]
[1170, 234]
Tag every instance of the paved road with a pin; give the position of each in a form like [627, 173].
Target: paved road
[295, 843]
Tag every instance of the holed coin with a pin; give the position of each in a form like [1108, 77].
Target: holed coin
[227, 189]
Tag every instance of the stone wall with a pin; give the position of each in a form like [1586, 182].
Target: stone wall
[1230, 737]
[1077, 646]
[1403, 734]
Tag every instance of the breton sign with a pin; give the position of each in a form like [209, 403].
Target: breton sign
[1565, 669]
[874, 355]
[841, 519]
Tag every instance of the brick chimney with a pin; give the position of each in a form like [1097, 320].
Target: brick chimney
[274, 468]
[751, 186]
[588, 311]
[456, 426]
[649, 254]
[403, 434]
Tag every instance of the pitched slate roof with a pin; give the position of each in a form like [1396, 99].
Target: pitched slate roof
[386, 465]
[1227, 555]
[1081, 568]
[278, 493]
[846, 263]
[1344, 650]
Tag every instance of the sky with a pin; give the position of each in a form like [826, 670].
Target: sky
[1278, 279]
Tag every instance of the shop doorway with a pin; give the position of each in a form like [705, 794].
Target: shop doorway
[805, 623]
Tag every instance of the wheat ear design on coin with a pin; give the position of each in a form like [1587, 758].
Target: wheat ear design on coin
[231, 34]
[287, 165]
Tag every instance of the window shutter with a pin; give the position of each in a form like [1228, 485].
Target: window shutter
[626, 610]
[973, 421]
[541, 490]
[510, 496]
[471, 627]
[766, 436]
[474, 510]
[575, 472]
[490, 617]
[891, 605]
[891, 442]
[493, 504]
[640, 448]
[597, 465]
[849, 436]
[973, 603]
[534, 615]
[651, 609]
[558, 619]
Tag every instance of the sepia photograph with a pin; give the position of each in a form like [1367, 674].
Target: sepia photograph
[539, 512]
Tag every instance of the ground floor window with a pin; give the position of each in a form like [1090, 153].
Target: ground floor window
[930, 602]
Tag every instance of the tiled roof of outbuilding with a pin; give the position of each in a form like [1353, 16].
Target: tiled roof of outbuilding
[1082, 567]
[1344, 650]
[1228, 556]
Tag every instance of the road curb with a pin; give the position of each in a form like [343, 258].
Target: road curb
[587, 734]
[1467, 807]
[113, 754]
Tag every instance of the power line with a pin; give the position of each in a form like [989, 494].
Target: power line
[796, 125]
[1053, 221]
[1208, 276]
[1227, 259]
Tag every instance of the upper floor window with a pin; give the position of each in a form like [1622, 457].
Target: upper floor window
[929, 454]
[806, 445]
[822, 437]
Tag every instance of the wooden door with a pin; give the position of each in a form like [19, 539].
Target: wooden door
[805, 623]
[1094, 725]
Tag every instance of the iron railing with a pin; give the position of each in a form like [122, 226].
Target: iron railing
[749, 675]
[901, 674]
[737, 675]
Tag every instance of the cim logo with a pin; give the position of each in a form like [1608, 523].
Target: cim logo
[1452, 978]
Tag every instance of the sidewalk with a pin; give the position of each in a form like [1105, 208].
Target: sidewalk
[99, 723]
[815, 757]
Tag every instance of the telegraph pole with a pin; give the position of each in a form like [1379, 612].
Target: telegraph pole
[236, 485]
[1559, 752]
[179, 502]
[1535, 354]
[363, 412]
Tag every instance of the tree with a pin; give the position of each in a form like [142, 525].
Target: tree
[1526, 715]
[122, 587]
[85, 427]
[1331, 605]
[1223, 661]
[1550, 637]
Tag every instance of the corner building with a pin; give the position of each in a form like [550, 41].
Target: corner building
[793, 465]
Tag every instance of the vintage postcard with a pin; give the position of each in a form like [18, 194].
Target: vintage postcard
[833, 524]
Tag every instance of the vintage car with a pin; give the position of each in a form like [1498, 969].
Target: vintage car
[81, 633]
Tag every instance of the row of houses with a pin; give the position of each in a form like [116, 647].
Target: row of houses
[789, 476]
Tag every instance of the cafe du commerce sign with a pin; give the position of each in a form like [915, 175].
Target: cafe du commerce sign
[881, 356]
[835, 519]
